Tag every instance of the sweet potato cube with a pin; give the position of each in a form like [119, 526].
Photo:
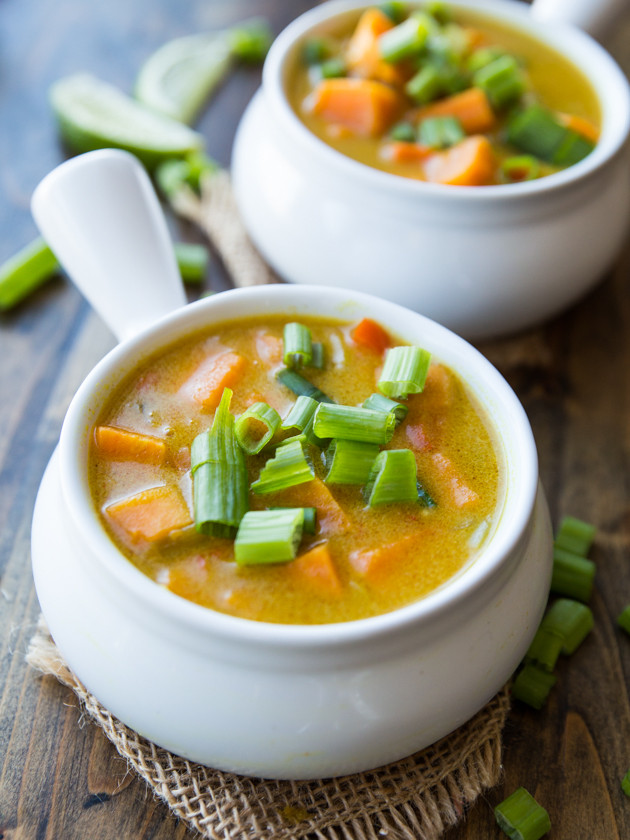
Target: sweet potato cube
[363, 106]
[151, 514]
[122, 445]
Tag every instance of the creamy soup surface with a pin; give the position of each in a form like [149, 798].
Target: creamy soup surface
[370, 560]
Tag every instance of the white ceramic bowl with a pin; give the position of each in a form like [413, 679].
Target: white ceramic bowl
[482, 260]
[250, 697]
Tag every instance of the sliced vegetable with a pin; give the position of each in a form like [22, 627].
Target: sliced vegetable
[256, 427]
[152, 514]
[370, 335]
[298, 345]
[300, 414]
[334, 68]
[458, 492]
[426, 85]
[118, 444]
[394, 9]
[353, 423]
[316, 50]
[268, 536]
[25, 272]
[330, 515]
[301, 386]
[216, 373]
[192, 261]
[288, 467]
[392, 478]
[471, 108]
[521, 817]
[572, 575]
[575, 535]
[363, 106]
[318, 569]
[377, 402]
[532, 686]
[571, 621]
[501, 80]
[537, 131]
[250, 41]
[440, 132]
[318, 357]
[375, 563]
[362, 55]
[520, 168]
[406, 39]
[404, 372]
[625, 784]
[349, 461]
[470, 163]
[310, 518]
[545, 649]
[220, 498]
[404, 132]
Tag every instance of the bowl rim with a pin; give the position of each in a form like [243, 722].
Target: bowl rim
[590, 57]
[223, 308]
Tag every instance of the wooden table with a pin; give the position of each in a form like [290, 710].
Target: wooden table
[59, 777]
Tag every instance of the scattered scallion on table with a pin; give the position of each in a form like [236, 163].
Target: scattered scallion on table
[25, 272]
[572, 575]
[521, 817]
[192, 261]
[575, 535]
[532, 686]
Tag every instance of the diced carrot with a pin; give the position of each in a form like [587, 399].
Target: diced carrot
[417, 437]
[471, 107]
[151, 514]
[461, 495]
[375, 563]
[363, 57]
[269, 348]
[438, 388]
[330, 516]
[317, 569]
[215, 373]
[364, 106]
[188, 577]
[123, 445]
[400, 151]
[371, 335]
[580, 125]
[470, 163]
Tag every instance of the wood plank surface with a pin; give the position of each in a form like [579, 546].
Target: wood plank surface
[59, 777]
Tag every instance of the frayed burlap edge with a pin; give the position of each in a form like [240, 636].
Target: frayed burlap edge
[417, 798]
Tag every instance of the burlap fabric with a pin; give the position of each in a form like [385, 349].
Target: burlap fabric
[414, 799]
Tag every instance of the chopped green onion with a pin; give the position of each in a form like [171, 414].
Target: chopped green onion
[537, 132]
[571, 621]
[404, 131]
[349, 461]
[332, 68]
[625, 784]
[573, 149]
[440, 132]
[300, 386]
[318, 355]
[532, 686]
[192, 261]
[404, 40]
[310, 518]
[26, 271]
[301, 438]
[521, 817]
[575, 535]
[544, 649]
[219, 473]
[268, 536]
[353, 423]
[250, 41]
[520, 168]
[392, 478]
[502, 81]
[174, 175]
[572, 575]
[288, 467]
[404, 372]
[199, 167]
[394, 9]
[377, 402]
[316, 50]
[440, 11]
[482, 57]
[424, 497]
[300, 417]
[298, 345]
[425, 86]
[623, 619]
[256, 427]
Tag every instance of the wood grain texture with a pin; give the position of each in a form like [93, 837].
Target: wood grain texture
[59, 777]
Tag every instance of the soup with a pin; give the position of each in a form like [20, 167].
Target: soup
[449, 97]
[301, 473]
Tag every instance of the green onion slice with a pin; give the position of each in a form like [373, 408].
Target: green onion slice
[353, 423]
[424, 497]
[300, 386]
[318, 356]
[440, 132]
[288, 467]
[300, 414]
[316, 50]
[403, 131]
[269, 536]
[571, 621]
[545, 649]
[625, 784]
[394, 9]
[250, 41]
[532, 686]
[425, 86]
[623, 619]
[220, 498]
[392, 478]
[26, 271]
[404, 372]
[192, 261]
[502, 81]
[520, 168]
[256, 427]
[538, 132]
[310, 518]
[405, 40]
[298, 345]
[521, 817]
[377, 402]
[575, 535]
[572, 575]
[349, 461]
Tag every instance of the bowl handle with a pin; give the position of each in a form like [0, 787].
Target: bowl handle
[100, 215]
[593, 16]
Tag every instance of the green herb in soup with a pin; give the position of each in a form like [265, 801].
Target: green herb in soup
[299, 473]
[443, 96]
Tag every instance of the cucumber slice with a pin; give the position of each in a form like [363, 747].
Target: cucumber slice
[93, 115]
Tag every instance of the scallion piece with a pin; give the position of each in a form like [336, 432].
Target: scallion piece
[572, 575]
[575, 535]
[256, 427]
[625, 784]
[404, 372]
[269, 536]
[296, 383]
[405, 40]
[424, 497]
[250, 41]
[403, 131]
[192, 261]
[573, 149]
[440, 132]
[520, 168]
[394, 9]
[288, 467]
[623, 619]
[300, 418]
[426, 85]
[298, 345]
[439, 10]
[25, 272]
[353, 423]
[482, 57]
[332, 68]
[521, 817]
[316, 50]
[502, 81]
[545, 649]
[377, 402]
[310, 518]
[318, 357]
[532, 686]
[219, 473]
[537, 132]
[392, 478]
[301, 438]
[349, 461]
[571, 621]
